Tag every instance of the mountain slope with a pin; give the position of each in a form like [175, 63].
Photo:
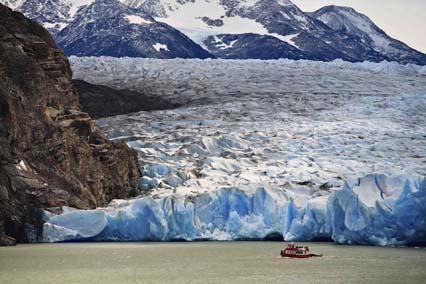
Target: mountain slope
[357, 25]
[261, 47]
[123, 31]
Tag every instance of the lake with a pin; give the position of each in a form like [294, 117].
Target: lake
[207, 262]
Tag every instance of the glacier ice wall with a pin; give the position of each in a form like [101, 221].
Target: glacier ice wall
[380, 211]
[376, 210]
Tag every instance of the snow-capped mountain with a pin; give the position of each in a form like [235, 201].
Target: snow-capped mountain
[347, 20]
[243, 29]
[262, 19]
[54, 15]
[108, 27]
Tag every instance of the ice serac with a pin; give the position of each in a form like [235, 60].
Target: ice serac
[380, 211]
[94, 224]
[376, 209]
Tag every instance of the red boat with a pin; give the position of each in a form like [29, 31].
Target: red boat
[297, 251]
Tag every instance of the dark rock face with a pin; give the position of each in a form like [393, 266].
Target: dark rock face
[212, 22]
[6, 241]
[124, 31]
[101, 101]
[253, 46]
[51, 153]
[319, 50]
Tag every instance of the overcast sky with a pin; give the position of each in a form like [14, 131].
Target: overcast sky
[401, 19]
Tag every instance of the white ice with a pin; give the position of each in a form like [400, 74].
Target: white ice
[138, 20]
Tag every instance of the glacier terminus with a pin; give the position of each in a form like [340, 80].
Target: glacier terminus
[281, 149]
[375, 210]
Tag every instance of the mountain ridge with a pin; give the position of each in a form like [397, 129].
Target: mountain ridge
[316, 35]
[338, 19]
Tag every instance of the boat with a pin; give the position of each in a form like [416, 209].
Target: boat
[295, 251]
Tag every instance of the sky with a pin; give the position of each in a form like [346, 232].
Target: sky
[401, 19]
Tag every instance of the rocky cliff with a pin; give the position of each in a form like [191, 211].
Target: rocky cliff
[51, 153]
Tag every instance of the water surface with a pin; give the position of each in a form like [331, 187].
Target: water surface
[207, 262]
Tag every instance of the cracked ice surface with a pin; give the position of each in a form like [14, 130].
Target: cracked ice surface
[303, 126]
[291, 133]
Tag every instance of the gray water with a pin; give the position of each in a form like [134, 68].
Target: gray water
[207, 262]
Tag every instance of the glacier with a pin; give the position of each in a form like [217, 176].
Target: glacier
[300, 125]
[375, 210]
[281, 149]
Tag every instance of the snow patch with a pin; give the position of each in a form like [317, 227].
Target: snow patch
[247, 3]
[13, 4]
[222, 45]
[288, 39]
[58, 26]
[21, 166]
[138, 20]
[160, 47]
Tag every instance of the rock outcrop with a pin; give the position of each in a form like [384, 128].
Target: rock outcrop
[51, 153]
[101, 101]
[6, 241]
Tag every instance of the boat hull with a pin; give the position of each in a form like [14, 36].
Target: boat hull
[293, 251]
[296, 256]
